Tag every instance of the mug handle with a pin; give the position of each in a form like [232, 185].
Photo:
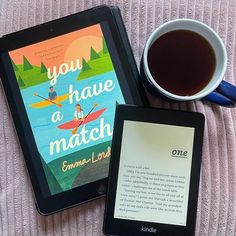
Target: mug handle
[224, 95]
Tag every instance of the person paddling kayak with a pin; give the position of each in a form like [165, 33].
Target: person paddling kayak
[78, 114]
[52, 95]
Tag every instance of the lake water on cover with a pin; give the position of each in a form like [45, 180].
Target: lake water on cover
[45, 131]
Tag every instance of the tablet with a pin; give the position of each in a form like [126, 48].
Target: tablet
[154, 172]
[63, 80]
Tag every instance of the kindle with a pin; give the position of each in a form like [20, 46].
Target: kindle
[63, 80]
[154, 172]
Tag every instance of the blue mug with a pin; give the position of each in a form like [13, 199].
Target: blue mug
[217, 90]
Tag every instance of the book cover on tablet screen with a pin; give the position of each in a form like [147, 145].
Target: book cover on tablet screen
[70, 90]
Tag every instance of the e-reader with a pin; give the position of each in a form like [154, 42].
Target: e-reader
[154, 172]
[63, 80]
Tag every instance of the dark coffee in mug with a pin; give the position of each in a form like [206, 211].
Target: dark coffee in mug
[182, 62]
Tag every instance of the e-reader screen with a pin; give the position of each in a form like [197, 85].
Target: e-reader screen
[70, 89]
[154, 173]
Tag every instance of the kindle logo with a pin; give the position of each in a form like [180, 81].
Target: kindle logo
[148, 230]
[179, 153]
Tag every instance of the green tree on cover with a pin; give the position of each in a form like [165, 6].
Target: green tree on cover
[15, 68]
[93, 54]
[26, 64]
[85, 65]
[104, 46]
[43, 68]
[21, 82]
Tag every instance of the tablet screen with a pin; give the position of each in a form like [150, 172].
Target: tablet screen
[70, 90]
[154, 173]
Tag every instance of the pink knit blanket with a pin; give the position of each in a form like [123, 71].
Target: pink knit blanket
[217, 196]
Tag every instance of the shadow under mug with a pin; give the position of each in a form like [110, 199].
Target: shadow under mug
[217, 90]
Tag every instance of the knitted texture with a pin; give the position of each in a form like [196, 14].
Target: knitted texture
[217, 196]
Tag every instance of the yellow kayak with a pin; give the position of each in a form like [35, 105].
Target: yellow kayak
[46, 103]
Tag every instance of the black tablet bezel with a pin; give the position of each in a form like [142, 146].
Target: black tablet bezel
[129, 82]
[113, 226]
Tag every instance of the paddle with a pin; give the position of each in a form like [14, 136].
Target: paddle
[57, 104]
[74, 131]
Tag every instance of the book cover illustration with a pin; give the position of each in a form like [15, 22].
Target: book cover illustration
[70, 91]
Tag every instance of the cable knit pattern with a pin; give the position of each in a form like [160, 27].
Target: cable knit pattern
[217, 196]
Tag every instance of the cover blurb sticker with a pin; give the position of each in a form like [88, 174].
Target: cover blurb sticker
[70, 91]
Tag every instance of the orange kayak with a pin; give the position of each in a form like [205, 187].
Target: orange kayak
[46, 103]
